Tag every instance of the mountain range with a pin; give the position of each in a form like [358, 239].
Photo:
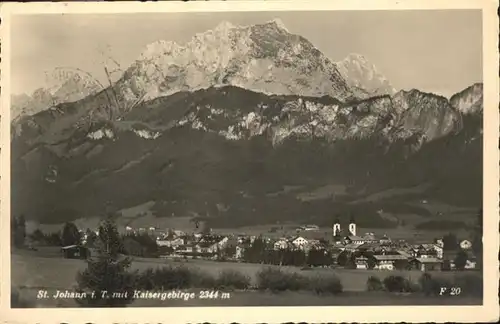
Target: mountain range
[224, 125]
[69, 89]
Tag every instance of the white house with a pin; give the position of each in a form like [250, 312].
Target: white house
[353, 239]
[386, 262]
[280, 244]
[439, 251]
[299, 242]
[470, 264]
[361, 263]
[465, 244]
[174, 243]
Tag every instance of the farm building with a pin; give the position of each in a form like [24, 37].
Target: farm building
[75, 252]
[386, 262]
[353, 239]
[427, 264]
[361, 262]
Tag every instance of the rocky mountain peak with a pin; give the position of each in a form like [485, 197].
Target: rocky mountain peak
[470, 100]
[265, 58]
[224, 26]
[363, 75]
[428, 114]
[278, 23]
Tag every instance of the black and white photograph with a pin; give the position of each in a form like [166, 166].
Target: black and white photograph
[198, 158]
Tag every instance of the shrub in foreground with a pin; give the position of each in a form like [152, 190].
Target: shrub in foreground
[232, 279]
[165, 278]
[325, 284]
[277, 280]
[398, 284]
[201, 279]
[174, 277]
[374, 283]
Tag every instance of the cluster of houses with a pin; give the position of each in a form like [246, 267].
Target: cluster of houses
[365, 252]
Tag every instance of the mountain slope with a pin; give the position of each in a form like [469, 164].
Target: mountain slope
[470, 100]
[193, 151]
[69, 89]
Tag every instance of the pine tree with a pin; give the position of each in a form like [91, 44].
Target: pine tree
[461, 260]
[18, 231]
[91, 238]
[70, 235]
[107, 279]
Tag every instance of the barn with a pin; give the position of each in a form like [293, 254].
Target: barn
[75, 252]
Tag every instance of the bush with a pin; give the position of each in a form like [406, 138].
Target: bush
[398, 284]
[231, 279]
[146, 280]
[278, 280]
[202, 279]
[326, 284]
[174, 277]
[374, 284]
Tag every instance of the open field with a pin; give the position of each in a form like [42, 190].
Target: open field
[31, 273]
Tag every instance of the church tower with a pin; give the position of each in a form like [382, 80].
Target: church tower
[352, 226]
[336, 227]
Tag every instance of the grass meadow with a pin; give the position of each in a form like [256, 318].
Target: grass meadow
[31, 273]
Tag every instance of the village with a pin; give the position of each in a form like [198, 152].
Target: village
[307, 248]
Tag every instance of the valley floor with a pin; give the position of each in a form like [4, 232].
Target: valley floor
[31, 273]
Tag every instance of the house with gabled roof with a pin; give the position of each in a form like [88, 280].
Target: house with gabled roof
[386, 261]
[299, 242]
[354, 239]
[427, 264]
[281, 244]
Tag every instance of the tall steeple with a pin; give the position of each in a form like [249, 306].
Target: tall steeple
[336, 227]
[352, 226]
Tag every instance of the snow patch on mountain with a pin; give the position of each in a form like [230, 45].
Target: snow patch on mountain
[147, 134]
[101, 134]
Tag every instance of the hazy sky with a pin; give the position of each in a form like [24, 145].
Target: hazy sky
[437, 51]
